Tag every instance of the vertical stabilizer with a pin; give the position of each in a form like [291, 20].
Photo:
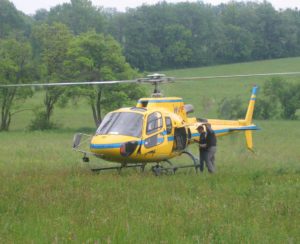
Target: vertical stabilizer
[250, 109]
[248, 119]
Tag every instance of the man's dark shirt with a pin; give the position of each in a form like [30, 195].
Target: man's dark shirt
[202, 140]
[211, 139]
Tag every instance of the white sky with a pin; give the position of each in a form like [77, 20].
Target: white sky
[30, 6]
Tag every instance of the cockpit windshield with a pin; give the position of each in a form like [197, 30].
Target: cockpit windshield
[121, 123]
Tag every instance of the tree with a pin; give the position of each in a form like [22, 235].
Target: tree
[268, 43]
[51, 44]
[175, 46]
[15, 67]
[79, 15]
[203, 23]
[140, 51]
[237, 45]
[93, 56]
[11, 20]
[41, 15]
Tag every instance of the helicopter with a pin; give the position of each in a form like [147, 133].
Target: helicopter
[155, 130]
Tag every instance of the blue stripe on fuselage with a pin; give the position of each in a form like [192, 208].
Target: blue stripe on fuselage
[254, 127]
[162, 101]
[171, 138]
[105, 146]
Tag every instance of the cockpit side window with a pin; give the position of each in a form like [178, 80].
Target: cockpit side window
[154, 123]
[169, 125]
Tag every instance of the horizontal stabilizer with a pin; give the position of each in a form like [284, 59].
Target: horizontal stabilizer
[245, 128]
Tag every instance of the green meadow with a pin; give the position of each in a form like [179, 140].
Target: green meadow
[47, 195]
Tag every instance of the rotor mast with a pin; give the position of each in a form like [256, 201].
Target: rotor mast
[156, 79]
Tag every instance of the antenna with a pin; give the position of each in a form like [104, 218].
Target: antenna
[156, 79]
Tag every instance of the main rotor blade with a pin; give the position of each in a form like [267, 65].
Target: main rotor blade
[133, 81]
[236, 76]
[70, 83]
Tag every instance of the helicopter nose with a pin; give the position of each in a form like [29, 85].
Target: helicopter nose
[114, 146]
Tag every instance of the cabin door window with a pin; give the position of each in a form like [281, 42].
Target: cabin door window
[154, 123]
[168, 125]
[154, 130]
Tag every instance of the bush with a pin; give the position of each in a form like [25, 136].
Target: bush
[41, 122]
[267, 108]
[231, 108]
[281, 95]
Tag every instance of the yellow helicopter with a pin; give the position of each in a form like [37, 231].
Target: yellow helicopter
[156, 130]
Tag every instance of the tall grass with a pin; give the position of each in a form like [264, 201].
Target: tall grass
[47, 195]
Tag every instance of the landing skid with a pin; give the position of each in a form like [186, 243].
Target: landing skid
[119, 168]
[162, 167]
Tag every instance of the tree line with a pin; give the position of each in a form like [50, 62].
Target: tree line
[80, 41]
[185, 34]
[166, 35]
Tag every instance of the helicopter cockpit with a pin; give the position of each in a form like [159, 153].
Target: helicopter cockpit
[116, 123]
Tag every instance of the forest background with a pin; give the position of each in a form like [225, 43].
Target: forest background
[48, 195]
[81, 42]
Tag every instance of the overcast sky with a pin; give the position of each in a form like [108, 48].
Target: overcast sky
[30, 6]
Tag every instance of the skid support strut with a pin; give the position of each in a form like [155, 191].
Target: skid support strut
[159, 168]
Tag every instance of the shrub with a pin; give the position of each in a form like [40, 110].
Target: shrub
[231, 108]
[41, 122]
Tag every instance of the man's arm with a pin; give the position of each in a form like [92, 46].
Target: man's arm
[208, 128]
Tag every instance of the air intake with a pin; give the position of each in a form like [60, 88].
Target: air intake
[189, 108]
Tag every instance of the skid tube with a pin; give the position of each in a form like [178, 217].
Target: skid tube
[156, 169]
[119, 168]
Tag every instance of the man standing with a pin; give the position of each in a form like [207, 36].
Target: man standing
[207, 147]
[202, 147]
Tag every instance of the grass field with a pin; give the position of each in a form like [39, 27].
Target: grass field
[47, 195]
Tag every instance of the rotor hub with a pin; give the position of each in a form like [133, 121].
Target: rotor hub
[156, 79]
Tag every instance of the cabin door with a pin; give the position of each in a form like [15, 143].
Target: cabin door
[155, 141]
